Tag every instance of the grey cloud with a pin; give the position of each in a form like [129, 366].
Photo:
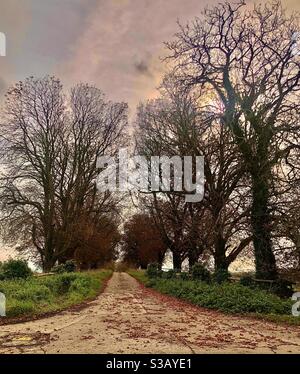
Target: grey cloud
[114, 44]
[143, 68]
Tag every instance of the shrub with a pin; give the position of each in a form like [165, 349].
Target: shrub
[153, 270]
[247, 281]
[221, 276]
[280, 287]
[81, 285]
[13, 269]
[19, 308]
[58, 269]
[62, 283]
[68, 267]
[34, 293]
[37, 295]
[184, 276]
[199, 272]
[227, 297]
[170, 274]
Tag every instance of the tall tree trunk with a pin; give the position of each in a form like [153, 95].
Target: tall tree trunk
[220, 253]
[48, 264]
[260, 218]
[49, 255]
[161, 258]
[176, 260]
[192, 257]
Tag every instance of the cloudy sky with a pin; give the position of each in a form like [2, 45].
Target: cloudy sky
[114, 44]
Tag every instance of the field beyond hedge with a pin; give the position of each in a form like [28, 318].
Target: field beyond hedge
[40, 295]
[226, 297]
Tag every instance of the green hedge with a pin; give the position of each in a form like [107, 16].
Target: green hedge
[38, 295]
[226, 297]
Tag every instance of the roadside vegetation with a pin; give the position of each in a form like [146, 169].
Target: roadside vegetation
[225, 296]
[30, 296]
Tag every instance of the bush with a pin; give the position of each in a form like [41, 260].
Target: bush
[221, 276]
[14, 269]
[184, 276]
[199, 272]
[81, 285]
[20, 308]
[153, 270]
[280, 287]
[226, 297]
[37, 295]
[170, 274]
[34, 293]
[63, 283]
[68, 267]
[247, 281]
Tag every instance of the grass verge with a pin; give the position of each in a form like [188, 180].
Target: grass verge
[227, 297]
[37, 296]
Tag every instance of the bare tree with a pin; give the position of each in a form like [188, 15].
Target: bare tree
[50, 143]
[96, 128]
[30, 145]
[175, 125]
[245, 60]
[286, 212]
